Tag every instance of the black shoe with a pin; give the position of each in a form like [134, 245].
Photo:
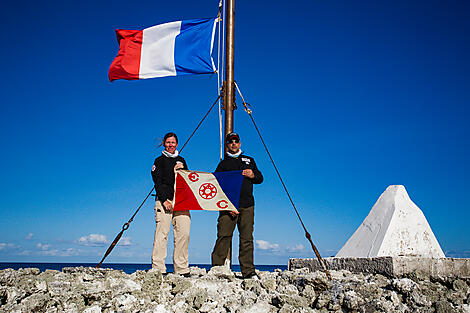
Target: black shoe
[186, 275]
[166, 273]
[251, 275]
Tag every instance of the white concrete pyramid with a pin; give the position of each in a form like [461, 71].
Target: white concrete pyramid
[394, 227]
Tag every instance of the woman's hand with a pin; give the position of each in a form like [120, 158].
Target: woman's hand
[178, 166]
[168, 206]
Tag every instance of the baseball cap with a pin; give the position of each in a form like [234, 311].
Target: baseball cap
[232, 136]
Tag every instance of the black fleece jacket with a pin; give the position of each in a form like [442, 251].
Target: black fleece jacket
[243, 162]
[163, 176]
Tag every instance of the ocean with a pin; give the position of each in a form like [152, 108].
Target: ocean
[128, 268]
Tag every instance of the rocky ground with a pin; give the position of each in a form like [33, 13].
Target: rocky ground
[219, 290]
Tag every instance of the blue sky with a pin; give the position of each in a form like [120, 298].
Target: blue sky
[350, 96]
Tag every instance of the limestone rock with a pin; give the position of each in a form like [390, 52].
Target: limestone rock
[90, 290]
[222, 272]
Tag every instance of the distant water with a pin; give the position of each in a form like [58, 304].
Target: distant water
[125, 267]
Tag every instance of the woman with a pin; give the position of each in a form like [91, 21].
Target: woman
[163, 174]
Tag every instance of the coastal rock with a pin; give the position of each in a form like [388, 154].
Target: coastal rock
[222, 272]
[220, 290]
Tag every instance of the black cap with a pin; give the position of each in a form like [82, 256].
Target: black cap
[231, 136]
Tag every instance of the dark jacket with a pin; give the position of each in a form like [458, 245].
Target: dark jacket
[163, 176]
[241, 163]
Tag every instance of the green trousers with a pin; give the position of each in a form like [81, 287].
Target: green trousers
[225, 227]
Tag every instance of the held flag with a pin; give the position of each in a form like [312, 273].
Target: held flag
[218, 191]
[170, 49]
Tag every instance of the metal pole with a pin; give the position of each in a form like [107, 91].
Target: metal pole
[229, 88]
[229, 100]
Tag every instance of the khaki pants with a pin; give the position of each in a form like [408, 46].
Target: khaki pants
[181, 225]
[225, 227]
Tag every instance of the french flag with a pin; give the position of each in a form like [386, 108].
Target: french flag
[170, 49]
[218, 191]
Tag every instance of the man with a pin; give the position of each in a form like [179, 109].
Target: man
[234, 160]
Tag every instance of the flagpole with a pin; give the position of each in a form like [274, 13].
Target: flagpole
[229, 86]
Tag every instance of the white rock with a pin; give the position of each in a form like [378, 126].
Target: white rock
[221, 272]
[197, 271]
[160, 309]
[123, 285]
[41, 285]
[70, 308]
[258, 307]
[125, 302]
[93, 309]
[394, 227]
[180, 307]
[208, 306]
[57, 288]
[404, 285]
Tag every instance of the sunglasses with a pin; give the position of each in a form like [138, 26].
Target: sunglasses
[233, 140]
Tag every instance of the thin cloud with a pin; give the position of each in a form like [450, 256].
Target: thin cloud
[43, 247]
[293, 250]
[125, 241]
[297, 248]
[126, 254]
[93, 240]
[5, 246]
[63, 253]
[330, 253]
[265, 245]
[29, 236]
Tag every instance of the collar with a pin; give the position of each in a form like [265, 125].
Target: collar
[170, 155]
[234, 155]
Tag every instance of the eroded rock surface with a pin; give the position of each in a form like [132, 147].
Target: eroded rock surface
[219, 290]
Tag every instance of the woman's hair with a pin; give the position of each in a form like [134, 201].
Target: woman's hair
[168, 135]
[161, 142]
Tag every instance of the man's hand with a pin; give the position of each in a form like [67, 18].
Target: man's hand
[234, 213]
[248, 173]
[168, 206]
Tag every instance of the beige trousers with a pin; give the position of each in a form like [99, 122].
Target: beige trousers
[181, 221]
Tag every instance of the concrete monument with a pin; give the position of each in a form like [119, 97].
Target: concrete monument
[394, 227]
[395, 239]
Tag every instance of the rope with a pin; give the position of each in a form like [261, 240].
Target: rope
[126, 225]
[307, 234]
[124, 228]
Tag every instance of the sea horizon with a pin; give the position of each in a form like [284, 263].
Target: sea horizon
[128, 268]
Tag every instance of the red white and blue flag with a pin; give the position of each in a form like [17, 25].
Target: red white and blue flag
[218, 191]
[170, 49]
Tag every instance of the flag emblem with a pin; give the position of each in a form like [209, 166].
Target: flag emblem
[207, 191]
[222, 204]
[193, 176]
[219, 191]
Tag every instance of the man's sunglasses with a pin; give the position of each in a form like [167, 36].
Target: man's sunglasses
[233, 140]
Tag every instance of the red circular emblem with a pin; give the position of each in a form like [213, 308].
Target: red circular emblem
[207, 191]
[222, 204]
[193, 176]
